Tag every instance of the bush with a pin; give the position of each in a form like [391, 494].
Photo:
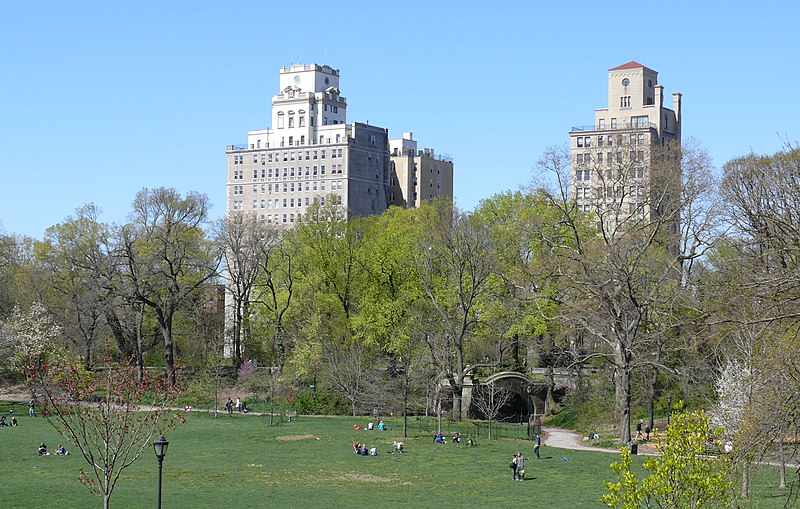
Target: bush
[323, 403]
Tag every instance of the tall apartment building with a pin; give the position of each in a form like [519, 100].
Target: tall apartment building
[417, 175]
[611, 161]
[312, 153]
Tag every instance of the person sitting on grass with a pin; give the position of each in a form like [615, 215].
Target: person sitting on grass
[43, 450]
[397, 447]
[363, 449]
[373, 451]
[356, 447]
[457, 438]
[3, 421]
[439, 439]
[13, 421]
[381, 426]
[61, 451]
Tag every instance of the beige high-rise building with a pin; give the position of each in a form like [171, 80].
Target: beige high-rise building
[611, 161]
[312, 153]
[418, 175]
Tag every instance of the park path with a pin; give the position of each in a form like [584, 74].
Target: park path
[567, 439]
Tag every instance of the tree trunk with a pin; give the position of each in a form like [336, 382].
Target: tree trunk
[782, 453]
[622, 383]
[745, 480]
[457, 403]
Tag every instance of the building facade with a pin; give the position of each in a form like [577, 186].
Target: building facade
[417, 175]
[612, 160]
[312, 153]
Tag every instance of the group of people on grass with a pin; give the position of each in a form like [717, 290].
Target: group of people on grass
[517, 463]
[60, 450]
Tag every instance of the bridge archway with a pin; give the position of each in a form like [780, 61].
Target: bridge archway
[528, 395]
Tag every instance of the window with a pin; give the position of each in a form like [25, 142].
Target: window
[640, 121]
[324, 122]
[322, 154]
[580, 158]
[338, 138]
[302, 139]
[587, 141]
[291, 142]
[285, 186]
[336, 109]
[301, 120]
[291, 122]
[600, 157]
[372, 140]
[625, 101]
[601, 124]
[600, 141]
[280, 120]
[613, 125]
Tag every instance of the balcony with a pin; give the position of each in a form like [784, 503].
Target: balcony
[235, 148]
[620, 126]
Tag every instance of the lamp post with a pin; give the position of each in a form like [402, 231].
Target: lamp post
[669, 407]
[160, 448]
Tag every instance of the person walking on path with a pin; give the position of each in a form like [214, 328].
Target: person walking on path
[639, 429]
[513, 465]
[229, 406]
[537, 442]
[238, 405]
[31, 408]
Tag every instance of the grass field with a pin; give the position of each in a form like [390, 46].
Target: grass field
[240, 461]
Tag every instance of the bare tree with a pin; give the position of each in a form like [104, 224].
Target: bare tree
[111, 432]
[240, 236]
[623, 257]
[166, 256]
[490, 400]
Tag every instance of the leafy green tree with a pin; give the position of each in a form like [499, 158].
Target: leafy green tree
[683, 475]
[456, 263]
[77, 258]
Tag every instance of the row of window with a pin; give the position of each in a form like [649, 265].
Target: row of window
[238, 205]
[634, 191]
[586, 159]
[289, 187]
[632, 173]
[289, 156]
[586, 141]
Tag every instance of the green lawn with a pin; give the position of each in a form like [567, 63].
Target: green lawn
[239, 461]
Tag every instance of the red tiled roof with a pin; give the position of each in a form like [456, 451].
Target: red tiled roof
[633, 64]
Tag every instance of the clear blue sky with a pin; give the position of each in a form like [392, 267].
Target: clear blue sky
[100, 99]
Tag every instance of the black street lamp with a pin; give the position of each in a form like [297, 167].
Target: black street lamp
[669, 407]
[160, 448]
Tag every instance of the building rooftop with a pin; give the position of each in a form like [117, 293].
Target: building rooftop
[633, 64]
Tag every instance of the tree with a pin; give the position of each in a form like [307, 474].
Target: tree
[28, 339]
[112, 431]
[240, 236]
[77, 256]
[275, 285]
[455, 262]
[491, 399]
[758, 272]
[167, 256]
[624, 261]
[684, 475]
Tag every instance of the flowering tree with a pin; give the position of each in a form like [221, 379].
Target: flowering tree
[28, 339]
[105, 416]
